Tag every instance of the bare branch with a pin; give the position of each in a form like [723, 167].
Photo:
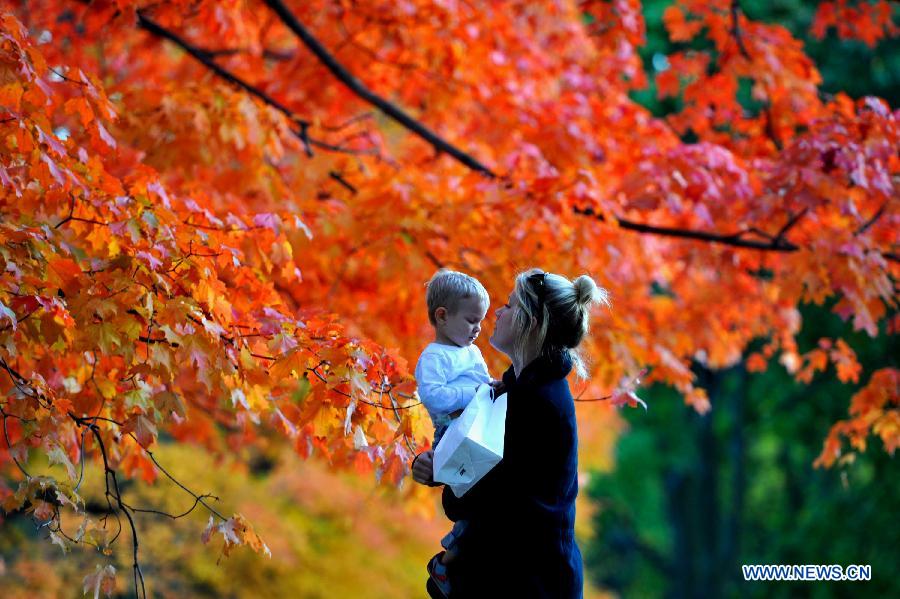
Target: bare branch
[197, 501]
[116, 493]
[736, 239]
[198, 498]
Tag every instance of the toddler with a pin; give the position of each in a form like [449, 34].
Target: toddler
[451, 368]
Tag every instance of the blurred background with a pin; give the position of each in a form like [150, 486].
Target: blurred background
[690, 498]
[671, 506]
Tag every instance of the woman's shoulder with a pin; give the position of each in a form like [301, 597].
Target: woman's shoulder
[558, 395]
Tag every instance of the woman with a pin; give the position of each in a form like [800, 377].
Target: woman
[520, 541]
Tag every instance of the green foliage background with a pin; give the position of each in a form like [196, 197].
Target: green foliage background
[692, 497]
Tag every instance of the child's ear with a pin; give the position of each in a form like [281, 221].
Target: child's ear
[440, 315]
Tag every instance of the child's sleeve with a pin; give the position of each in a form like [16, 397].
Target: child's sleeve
[481, 365]
[436, 394]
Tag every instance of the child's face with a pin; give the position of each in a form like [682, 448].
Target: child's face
[462, 326]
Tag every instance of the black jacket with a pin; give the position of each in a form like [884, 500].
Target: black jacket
[520, 541]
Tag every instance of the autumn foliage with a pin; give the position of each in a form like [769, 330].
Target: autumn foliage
[217, 218]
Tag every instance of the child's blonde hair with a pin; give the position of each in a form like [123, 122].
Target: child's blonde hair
[553, 315]
[447, 288]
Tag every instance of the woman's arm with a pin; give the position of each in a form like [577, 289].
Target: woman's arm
[485, 495]
[530, 455]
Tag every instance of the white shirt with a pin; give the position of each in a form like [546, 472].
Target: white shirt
[447, 376]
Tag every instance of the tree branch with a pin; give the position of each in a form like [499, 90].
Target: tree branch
[344, 183]
[198, 500]
[736, 28]
[777, 244]
[735, 239]
[742, 48]
[865, 226]
[116, 493]
[205, 58]
[359, 88]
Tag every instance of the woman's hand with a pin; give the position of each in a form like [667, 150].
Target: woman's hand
[498, 386]
[423, 468]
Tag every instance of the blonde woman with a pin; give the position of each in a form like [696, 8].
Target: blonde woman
[520, 540]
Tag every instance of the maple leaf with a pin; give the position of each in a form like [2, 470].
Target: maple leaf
[625, 393]
[42, 510]
[103, 579]
[207, 532]
[143, 427]
[60, 541]
[57, 455]
[8, 315]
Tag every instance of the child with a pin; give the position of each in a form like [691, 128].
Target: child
[451, 368]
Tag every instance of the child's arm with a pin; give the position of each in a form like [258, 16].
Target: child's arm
[438, 397]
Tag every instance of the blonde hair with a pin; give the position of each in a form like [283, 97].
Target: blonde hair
[448, 287]
[553, 320]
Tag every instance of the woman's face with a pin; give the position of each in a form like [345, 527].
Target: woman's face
[503, 338]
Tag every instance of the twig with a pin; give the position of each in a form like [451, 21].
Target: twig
[344, 183]
[788, 225]
[198, 498]
[871, 221]
[197, 501]
[9, 445]
[736, 28]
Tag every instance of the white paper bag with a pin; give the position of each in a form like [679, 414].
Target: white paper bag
[473, 443]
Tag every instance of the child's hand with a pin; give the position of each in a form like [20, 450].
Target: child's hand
[423, 469]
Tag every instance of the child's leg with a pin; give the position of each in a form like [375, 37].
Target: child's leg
[451, 540]
[437, 572]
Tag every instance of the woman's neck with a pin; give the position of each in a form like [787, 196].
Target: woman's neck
[519, 365]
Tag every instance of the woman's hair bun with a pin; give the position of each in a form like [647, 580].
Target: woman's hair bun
[585, 290]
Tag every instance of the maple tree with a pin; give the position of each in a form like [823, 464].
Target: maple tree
[218, 217]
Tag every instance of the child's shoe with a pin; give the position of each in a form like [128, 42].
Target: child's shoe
[438, 584]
